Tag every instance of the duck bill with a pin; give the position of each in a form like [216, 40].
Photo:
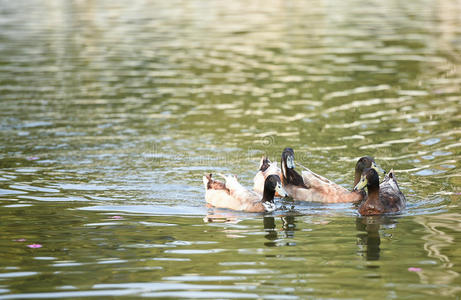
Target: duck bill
[377, 168]
[280, 190]
[361, 185]
[290, 162]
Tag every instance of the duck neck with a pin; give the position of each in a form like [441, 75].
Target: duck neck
[373, 194]
[357, 176]
[268, 195]
[293, 177]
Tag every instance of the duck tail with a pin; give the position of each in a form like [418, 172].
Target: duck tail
[264, 163]
[206, 180]
[212, 184]
[390, 174]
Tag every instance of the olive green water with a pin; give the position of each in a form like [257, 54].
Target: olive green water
[110, 113]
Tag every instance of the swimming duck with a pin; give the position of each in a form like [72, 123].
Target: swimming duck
[233, 195]
[310, 186]
[382, 198]
[266, 168]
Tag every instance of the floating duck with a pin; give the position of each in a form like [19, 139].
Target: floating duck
[382, 198]
[309, 186]
[233, 195]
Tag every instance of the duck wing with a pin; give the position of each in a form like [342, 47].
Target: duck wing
[325, 190]
[309, 175]
[238, 191]
[390, 194]
[314, 180]
[218, 195]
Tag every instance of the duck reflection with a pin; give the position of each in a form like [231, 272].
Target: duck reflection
[369, 239]
[272, 234]
[288, 226]
[217, 215]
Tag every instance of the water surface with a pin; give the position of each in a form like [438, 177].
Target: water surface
[110, 113]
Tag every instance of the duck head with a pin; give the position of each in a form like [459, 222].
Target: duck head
[272, 184]
[369, 179]
[364, 163]
[289, 175]
[288, 159]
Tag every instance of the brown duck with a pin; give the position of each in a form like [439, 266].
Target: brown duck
[382, 198]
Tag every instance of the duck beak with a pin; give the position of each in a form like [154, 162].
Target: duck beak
[362, 184]
[377, 168]
[280, 190]
[290, 162]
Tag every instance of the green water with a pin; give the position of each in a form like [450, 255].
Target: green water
[111, 112]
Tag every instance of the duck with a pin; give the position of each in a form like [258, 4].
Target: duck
[382, 198]
[266, 168]
[232, 195]
[309, 186]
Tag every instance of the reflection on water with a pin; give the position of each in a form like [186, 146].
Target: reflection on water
[286, 233]
[301, 255]
[110, 113]
[369, 238]
[269, 227]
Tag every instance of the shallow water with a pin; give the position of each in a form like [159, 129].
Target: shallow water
[112, 112]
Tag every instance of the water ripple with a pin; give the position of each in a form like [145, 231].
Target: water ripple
[112, 113]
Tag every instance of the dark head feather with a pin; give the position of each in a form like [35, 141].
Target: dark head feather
[289, 175]
[362, 164]
[269, 187]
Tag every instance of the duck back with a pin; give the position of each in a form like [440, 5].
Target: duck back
[390, 198]
[324, 190]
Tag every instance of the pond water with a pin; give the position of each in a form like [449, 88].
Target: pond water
[111, 112]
